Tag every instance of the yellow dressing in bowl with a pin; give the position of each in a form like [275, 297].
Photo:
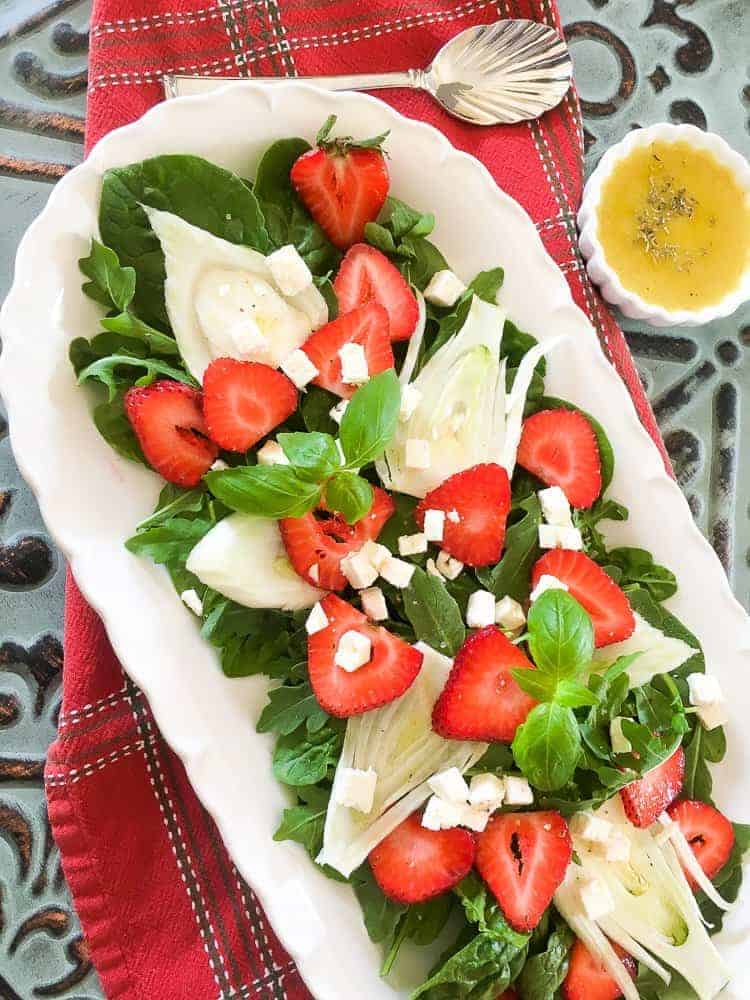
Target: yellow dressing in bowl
[674, 224]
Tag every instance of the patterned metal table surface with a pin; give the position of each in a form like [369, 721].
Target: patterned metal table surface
[637, 61]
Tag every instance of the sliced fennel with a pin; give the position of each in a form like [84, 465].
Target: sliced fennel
[680, 854]
[243, 558]
[415, 341]
[398, 742]
[655, 917]
[659, 653]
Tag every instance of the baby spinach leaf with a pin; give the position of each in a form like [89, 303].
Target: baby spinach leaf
[701, 748]
[349, 495]
[370, 419]
[113, 425]
[423, 261]
[606, 452]
[401, 521]
[487, 284]
[561, 636]
[421, 923]
[544, 972]
[434, 614]
[304, 758]
[515, 344]
[316, 406]
[403, 220]
[728, 881]
[289, 707]
[381, 915]
[547, 746]
[657, 615]
[314, 455]
[170, 540]
[497, 759]
[513, 573]
[448, 324]
[264, 490]
[109, 282]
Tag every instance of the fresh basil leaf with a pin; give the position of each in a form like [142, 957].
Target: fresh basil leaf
[349, 495]
[112, 423]
[127, 325]
[108, 371]
[289, 707]
[547, 746]
[487, 284]
[573, 694]
[561, 636]
[381, 915]
[110, 283]
[512, 575]
[314, 455]
[539, 685]
[433, 613]
[544, 972]
[303, 758]
[370, 419]
[174, 539]
[515, 344]
[264, 490]
[606, 452]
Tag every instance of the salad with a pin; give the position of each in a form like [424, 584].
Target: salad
[488, 721]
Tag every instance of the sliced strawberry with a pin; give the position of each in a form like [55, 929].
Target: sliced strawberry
[343, 185]
[509, 994]
[559, 446]
[243, 401]
[647, 798]
[366, 275]
[368, 326]
[481, 497]
[523, 858]
[480, 700]
[390, 671]
[587, 979]
[709, 833]
[413, 864]
[322, 539]
[609, 608]
[168, 421]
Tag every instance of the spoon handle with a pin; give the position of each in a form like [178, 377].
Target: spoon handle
[354, 81]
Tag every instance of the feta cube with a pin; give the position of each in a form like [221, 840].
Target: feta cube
[434, 525]
[272, 454]
[444, 288]
[441, 815]
[486, 791]
[517, 791]
[706, 695]
[449, 567]
[250, 343]
[433, 570]
[590, 827]
[546, 582]
[618, 739]
[595, 898]
[299, 368]
[555, 506]
[412, 545]
[417, 453]
[314, 573]
[411, 397]
[355, 788]
[192, 601]
[354, 370]
[289, 271]
[353, 651]
[336, 413]
[219, 465]
[375, 553]
[373, 604]
[317, 620]
[397, 572]
[553, 536]
[358, 569]
[480, 610]
[714, 715]
[474, 818]
[615, 848]
[453, 515]
[450, 786]
[509, 614]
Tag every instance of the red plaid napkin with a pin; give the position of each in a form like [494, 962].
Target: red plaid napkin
[164, 911]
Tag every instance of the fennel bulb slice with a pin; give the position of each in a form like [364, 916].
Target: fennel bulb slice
[399, 743]
[659, 653]
[243, 558]
[655, 916]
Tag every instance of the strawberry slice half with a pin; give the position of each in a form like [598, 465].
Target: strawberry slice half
[587, 979]
[366, 275]
[647, 798]
[560, 448]
[481, 700]
[368, 326]
[608, 606]
[709, 833]
[523, 858]
[167, 418]
[413, 864]
[321, 540]
[390, 671]
[244, 400]
[342, 183]
[481, 498]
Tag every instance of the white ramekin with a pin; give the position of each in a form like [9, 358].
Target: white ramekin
[600, 271]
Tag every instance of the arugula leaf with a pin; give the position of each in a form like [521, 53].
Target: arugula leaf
[497, 759]
[304, 758]
[381, 915]
[606, 452]
[349, 495]
[487, 284]
[658, 616]
[290, 707]
[125, 324]
[304, 823]
[107, 370]
[547, 746]
[512, 575]
[544, 972]
[254, 640]
[702, 747]
[313, 455]
[434, 614]
[370, 419]
[637, 567]
[173, 539]
[173, 500]
[109, 282]
[264, 490]
[561, 636]
[515, 344]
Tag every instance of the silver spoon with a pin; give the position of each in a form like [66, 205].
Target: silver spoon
[492, 74]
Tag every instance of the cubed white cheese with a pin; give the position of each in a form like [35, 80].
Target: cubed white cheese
[272, 454]
[448, 566]
[417, 453]
[450, 785]
[299, 368]
[433, 570]
[373, 604]
[444, 288]
[706, 695]
[434, 525]
[317, 620]
[441, 815]
[219, 465]
[314, 573]
[553, 536]
[412, 545]
[486, 791]
[453, 515]
[517, 791]
[376, 553]
[590, 827]
[355, 788]
[358, 569]
[546, 582]
[251, 344]
[480, 610]
[353, 651]
[336, 413]
[555, 506]
[289, 270]
[714, 715]
[397, 572]
[354, 369]
[509, 614]
[475, 819]
[596, 898]
[411, 397]
[618, 739]
[615, 848]
[192, 601]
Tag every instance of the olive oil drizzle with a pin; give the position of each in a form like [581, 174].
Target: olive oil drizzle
[665, 202]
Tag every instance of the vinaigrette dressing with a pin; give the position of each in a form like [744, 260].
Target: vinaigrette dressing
[674, 223]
